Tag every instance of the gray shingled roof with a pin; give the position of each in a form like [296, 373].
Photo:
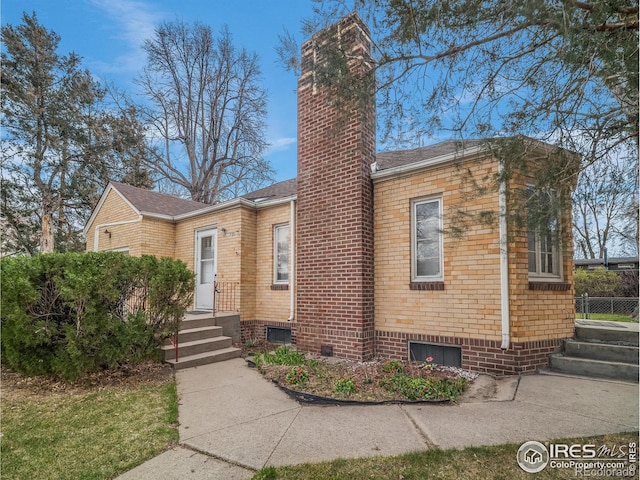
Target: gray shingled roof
[154, 202]
[282, 189]
[160, 203]
[406, 157]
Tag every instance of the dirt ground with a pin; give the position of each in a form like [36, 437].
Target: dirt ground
[15, 385]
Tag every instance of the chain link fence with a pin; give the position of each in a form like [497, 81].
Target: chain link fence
[587, 307]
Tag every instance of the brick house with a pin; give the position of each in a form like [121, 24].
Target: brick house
[354, 257]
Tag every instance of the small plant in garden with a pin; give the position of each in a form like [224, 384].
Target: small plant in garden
[281, 356]
[424, 389]
[345, 386]
[286, 356]
[297, 376]
[429, 365]
[392, 366]
[250, 343]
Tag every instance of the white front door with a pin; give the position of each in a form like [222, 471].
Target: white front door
[206, 266]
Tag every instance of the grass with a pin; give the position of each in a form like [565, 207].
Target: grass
[610, 317]
[494, 462]
[86, 433]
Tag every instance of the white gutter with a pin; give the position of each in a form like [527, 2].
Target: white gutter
[272, 203]
[292, 256]
[504, 263]
[97, 228]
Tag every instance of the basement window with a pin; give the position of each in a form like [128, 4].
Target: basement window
[442, 354]
[278, 335]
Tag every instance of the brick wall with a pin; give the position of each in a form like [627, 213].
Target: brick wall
[541, 310]
[157, 237]
[229, 248]
[477, 354]
[246, 260]
[271, 304]
[257, 329]
[115, 209]
[335, 203]
[466, 311]
[468, 306]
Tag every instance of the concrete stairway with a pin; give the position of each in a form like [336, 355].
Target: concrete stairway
[200, 342]
[600, 349]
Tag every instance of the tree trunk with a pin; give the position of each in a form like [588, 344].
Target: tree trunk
[46, 239]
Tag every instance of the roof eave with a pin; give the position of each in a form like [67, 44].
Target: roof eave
[275, 202]
[234, 203]
[402, 170]
[110, 186]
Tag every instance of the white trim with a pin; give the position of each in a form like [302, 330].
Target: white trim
[292, 256]
[96, 231]
[272, 203]
[414, 276]
[196, 260]
[275, 254]
[103, 198]
[236, 202]
[556, 250]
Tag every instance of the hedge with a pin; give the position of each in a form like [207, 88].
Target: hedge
[68, 314]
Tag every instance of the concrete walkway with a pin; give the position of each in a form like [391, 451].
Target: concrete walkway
[233, 422]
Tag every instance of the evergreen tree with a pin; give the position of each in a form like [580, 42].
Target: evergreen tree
[61, 145]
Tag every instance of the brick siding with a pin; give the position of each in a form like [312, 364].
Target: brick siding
[272, 304]
[478, 355]
[335, 207]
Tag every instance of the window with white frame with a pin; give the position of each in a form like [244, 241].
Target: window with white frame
[426, 240]
[543, 235]
[281, 254]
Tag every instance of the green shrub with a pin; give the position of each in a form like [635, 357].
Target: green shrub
[69, 314]
[598, 283]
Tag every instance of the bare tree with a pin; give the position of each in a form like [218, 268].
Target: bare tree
[602, 201]
[208, 109]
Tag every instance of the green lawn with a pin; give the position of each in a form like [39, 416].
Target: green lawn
[496, 462]
[95, 433]
[611, 317]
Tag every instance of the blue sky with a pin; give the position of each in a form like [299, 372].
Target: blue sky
[108, 35]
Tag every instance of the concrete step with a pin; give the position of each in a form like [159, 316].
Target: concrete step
[205, 358]
[593, 368]
[601, 351]
[619, 332]
[195, 347]
[198, 321]
[200, 333]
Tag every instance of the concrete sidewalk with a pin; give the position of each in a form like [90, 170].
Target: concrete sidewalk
[233, 422]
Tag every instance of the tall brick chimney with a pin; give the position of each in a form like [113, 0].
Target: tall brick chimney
[336, 146]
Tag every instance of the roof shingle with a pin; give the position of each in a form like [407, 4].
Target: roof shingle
[282, 189]
[148, 201]
[400, 158]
